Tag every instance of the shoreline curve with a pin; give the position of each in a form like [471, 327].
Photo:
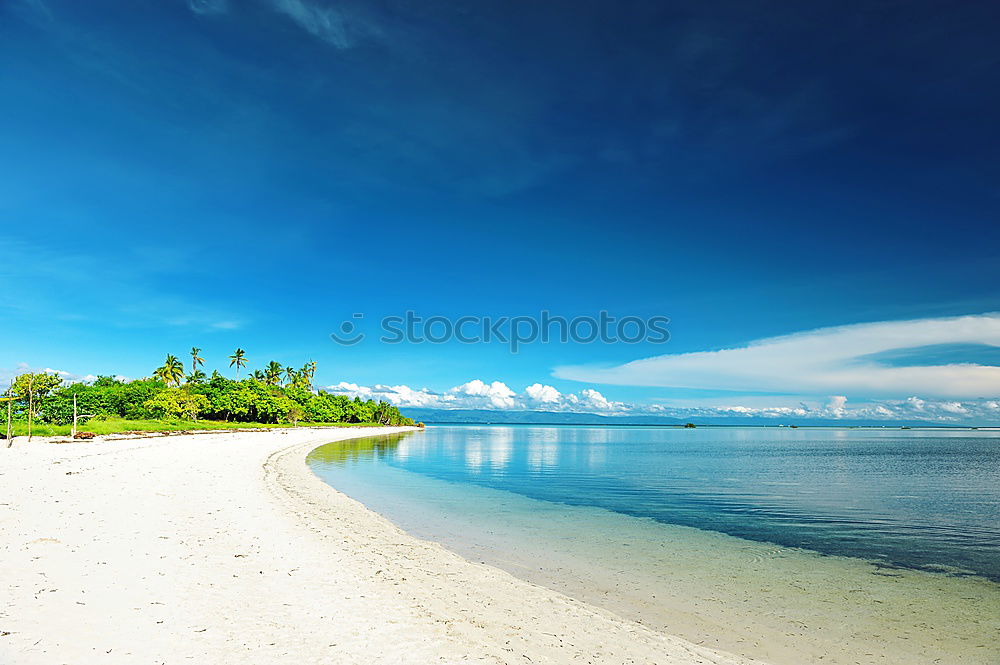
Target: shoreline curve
[227, 548]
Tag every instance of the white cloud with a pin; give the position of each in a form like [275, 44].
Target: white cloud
[209, 6]
[823, 361]
[8, 374]
[496, 395]
[339, 25]
[837, 406]
[540, 394]
[398, 395]
[478, 394]
[977, 411]
[593, 401]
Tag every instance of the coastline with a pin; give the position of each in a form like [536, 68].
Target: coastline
[184, 548]
[784, 605]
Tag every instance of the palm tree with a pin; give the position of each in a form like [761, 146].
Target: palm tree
[382, 413]
[175, 369]
[172, 371]
[290, 375]
[196, 360]
[307, 373]
[239, 358]
[272, 373]
[196, 376]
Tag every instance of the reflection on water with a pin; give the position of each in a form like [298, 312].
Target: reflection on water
[916, 498]
[353, 450]
[605, 515]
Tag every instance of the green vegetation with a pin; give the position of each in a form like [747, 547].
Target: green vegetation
[119, 425]
[172, 372]
[239, 358]
[42, 404]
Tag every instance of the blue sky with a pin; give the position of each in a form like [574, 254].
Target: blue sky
[222, 174]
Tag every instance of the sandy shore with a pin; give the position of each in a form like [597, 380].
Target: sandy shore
[225, 548]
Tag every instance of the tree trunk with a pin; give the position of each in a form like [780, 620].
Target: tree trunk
[10, 402]
[31, 404]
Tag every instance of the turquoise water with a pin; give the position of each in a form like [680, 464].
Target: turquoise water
[792, 546]
[924, 499]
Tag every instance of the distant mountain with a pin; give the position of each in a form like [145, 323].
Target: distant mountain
[487, 417]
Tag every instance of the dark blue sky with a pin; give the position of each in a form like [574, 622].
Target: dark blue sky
[250, 173]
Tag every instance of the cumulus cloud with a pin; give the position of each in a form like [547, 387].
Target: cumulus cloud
[837, 405]
[399, 395]
[496, 395]
[824, 361]
[7, 374]
[479, 394]
[540, 394]
[590, 400]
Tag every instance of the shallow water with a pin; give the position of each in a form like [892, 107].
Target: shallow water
[792, 545]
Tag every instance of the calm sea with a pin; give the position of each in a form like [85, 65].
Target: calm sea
[807, 544]
[918, 498]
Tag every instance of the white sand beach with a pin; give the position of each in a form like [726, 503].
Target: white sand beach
[225, 548]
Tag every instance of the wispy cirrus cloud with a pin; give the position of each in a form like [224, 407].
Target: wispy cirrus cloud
[209, 6]
[33, 9]
[840, 360]
[340, 25]
[44, 284]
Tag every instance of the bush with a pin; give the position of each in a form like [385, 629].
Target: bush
[177, 403]
[219, 398]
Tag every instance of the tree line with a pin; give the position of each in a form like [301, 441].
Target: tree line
[274, 394]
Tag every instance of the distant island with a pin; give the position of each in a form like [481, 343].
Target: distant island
[488, 417]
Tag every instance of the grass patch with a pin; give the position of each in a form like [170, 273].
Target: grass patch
[117, 426]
